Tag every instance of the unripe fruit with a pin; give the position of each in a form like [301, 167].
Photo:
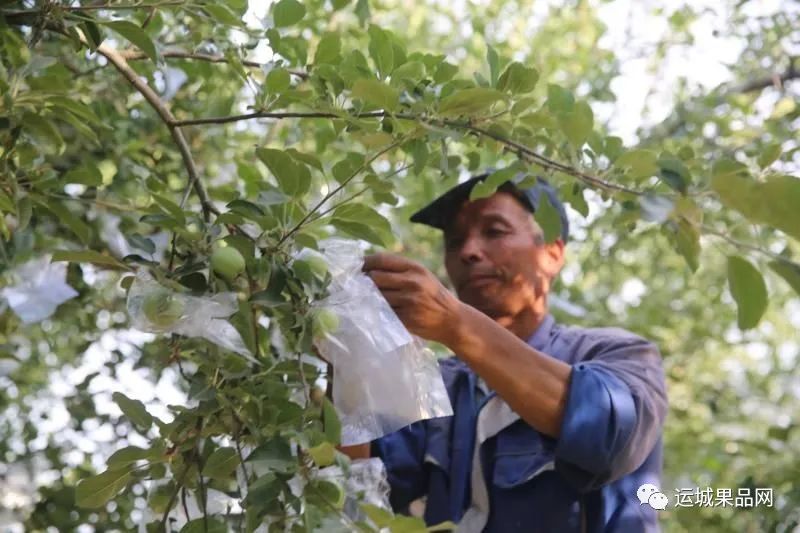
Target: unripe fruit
[317, 265]
[162, 309]
[324, 322]
[227, 262]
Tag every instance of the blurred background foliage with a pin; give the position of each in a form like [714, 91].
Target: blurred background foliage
[692, 110]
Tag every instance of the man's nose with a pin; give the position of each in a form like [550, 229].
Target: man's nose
[471, 251]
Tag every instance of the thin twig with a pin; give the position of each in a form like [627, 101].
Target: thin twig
[105, 7]
[135, 55]
[330, 194]
[355, 195]
[708, 230]
[285, 114]
[519, 148]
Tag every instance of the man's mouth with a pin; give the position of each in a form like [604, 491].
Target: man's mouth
[480, 280]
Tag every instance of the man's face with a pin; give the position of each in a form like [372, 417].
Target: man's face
[496, 257]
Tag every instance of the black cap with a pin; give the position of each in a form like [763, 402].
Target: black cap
[441, 211]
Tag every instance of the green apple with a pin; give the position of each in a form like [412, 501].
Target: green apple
[227, 262]
[324, 321]
[318, 266]
[162, 308]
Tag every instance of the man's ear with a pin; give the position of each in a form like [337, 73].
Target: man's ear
[554, 253]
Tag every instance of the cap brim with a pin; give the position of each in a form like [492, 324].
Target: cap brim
[443, 209]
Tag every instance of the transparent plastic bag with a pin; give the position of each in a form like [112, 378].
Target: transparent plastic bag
[365, 482]
[41, 288]
[190, 316]
[383, 377]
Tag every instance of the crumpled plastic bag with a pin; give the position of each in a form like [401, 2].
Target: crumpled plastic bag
[383, 377]
[196, 316]
[41, 288]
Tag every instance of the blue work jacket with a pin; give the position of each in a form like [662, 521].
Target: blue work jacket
[488, 470]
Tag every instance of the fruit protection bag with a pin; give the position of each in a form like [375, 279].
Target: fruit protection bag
[41, 288]
[383, 377]
[190, 316]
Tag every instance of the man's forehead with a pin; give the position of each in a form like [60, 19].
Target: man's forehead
[501, 206]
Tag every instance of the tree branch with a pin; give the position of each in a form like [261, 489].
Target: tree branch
[116, 59]
[528, 152]
[671, 126]
[135, 55]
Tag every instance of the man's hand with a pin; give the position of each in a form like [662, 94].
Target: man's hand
[422, 303]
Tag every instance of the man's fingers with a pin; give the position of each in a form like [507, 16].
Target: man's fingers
[389, 262]
[395, 297]
[388, 280]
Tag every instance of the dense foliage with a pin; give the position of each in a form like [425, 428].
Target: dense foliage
[145, 137]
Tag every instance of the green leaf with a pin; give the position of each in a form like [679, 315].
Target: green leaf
[412, 71]
[548, 219]
[381, 50]
[89, 256]
[24, 212]
[674, 172]
[331, 422]
[444, 72]
[407, 524]
[287, 13]
[789, 271]
[380, 516]
[222, 463]
[329, 49]
[170, 207]
[687, 243]
[748, 290]
[278, 80]
[65, 217]
[325, 494]
[85, 175]
[274, 454]
[494, 64]
[44, 131]
[134, 410]
[638, 163]
[363, 222]
[210, 524]
[127, 456]
[222, 14]
[96, 491]
[725, 168]
[769, 155]
[76, 107]
[577, 124]
[489, 186]
[323, 454]
[442, 526]
[773, 202]
[518, 79]
[559, 100]
[136, 35]
[376, 93]
[293, 178]
[471, 101]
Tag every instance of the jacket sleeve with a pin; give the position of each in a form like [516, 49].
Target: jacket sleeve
[403, 454]
[614, 413]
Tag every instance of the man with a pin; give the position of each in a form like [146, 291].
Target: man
[554, 427]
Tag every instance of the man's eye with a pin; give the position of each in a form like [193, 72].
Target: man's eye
[495, 232]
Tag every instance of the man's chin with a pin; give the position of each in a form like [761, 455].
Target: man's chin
[488, 304]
